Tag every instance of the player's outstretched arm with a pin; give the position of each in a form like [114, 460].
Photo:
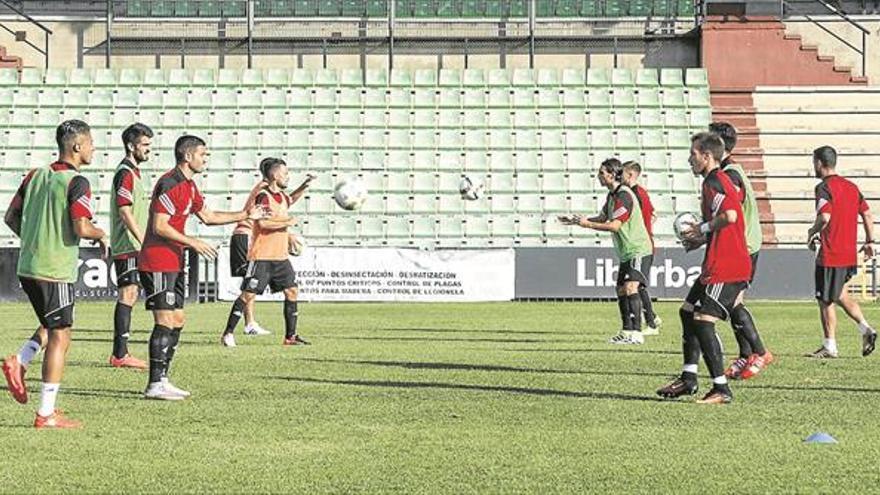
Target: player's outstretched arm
[127, 217]
[210, 217]
[85, 229]
[164, 229]
[297, 194]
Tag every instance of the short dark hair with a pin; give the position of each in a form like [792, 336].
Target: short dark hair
[68, 131]
[826, 155]
[134, 132]
[186, 144]
[268, 165]
[614, 166]
[727, 133]
[633, 165]
[709, 142]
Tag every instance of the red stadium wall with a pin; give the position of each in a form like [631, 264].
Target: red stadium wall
[742, 53]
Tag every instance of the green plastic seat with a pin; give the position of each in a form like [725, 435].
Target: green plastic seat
[671, 77]
[598, 77]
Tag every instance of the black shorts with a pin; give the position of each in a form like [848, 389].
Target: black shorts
[52, 301]
[830, 281]
[126, 272]
[164, 290]
[754, 257]
[715, 300]
[278, 275]
[635, 270]
[238, 251]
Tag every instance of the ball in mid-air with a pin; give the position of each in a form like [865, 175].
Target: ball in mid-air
[469, 189]
[682, 222]
[350, 194]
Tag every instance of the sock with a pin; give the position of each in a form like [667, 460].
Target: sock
[235, 315]
[48, 394]
[121, 326]
[635, 312]
[159, 344]
[720, 380]
[623, 307]
[711, 347]
[689, 372]
[690, 345]
[173, 339]
[830, 344]
[290, 315]
[647, 305]
[865, 328]
[744, 324]
[27, 352]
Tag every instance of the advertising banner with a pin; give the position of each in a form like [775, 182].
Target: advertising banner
[392, 274]
[564, 272]
[96, 281]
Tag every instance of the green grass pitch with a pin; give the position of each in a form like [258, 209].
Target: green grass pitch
[444, 398]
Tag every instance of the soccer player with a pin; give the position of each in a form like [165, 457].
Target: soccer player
[622, 216]
[50, 213]
[753, 356]
[128, 221]
[160, 261]
[725, 273]
[268, 263]
[834, 235]
[631, 172]
[238, 262]
[238, 248]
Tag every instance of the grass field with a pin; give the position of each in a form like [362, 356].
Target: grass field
[444, 398]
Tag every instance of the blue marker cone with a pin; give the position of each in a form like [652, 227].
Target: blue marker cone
[820, 437]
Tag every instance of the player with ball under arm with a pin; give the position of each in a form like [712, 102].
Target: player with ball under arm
[622, 216]
[726, 271]
[268, 263]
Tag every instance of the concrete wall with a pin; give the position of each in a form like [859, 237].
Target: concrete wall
[828, 45]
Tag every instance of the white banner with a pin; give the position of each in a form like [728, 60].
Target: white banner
[391, 274]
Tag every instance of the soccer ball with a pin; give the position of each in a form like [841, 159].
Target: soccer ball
[297, 244]
[350, 194]
[683, 221]
[469, 189]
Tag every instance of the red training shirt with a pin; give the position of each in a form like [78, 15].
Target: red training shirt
[727, 256]
[177, 196]
[843, 200]
[647, 210]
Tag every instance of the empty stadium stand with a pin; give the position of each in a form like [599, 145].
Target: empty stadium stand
[408, 8]
[534, 137]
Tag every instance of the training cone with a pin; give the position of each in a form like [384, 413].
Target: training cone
[820, 437]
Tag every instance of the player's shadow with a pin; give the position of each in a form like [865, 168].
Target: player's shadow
[542, 392]
[116, 394]
[478, 367]
[610, 350]
[792, 388]
[452, 339]
[463, 330]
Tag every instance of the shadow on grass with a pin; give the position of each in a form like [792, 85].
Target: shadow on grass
[610, 350]
[478, 367]
[116, 394]
[791, 388]
[462, 330]
[542, 392]
[451, 339]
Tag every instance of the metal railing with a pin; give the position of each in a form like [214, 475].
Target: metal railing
[19, 36]
[790, 8]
